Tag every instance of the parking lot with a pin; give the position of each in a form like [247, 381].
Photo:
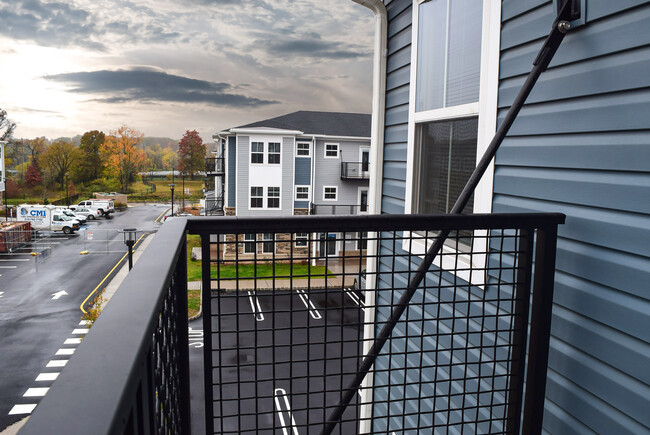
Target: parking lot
[283, 358]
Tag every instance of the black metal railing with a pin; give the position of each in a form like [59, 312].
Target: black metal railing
[214, 165]
[338, 209]
[355, 170]
[294, 303]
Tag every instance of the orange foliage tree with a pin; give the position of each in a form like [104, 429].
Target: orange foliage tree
[121, 155]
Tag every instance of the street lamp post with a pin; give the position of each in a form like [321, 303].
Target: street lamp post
[183, 177]
[67, 197]
[171, 187]
[129, 240]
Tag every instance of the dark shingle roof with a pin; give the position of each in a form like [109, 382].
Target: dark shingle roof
[325, 123]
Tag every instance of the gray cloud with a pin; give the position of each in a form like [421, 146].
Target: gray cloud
[310, 45]
[50, 24]
[146, 85]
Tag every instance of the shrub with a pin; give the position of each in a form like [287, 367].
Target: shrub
[94, 309]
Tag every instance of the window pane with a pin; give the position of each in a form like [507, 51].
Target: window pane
[447, 152]
[449, 53]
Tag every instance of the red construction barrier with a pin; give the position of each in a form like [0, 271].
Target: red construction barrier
[14, 234]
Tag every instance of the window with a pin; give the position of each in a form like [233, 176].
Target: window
[249, 243]
[302, 193]
[268, 245]
[452, 113]
[303, 149]
[331, 150]
[363, 200]
[257, 152]
[302, 239]
[273, 197]
[257, 197]
[330, 193]
[274, 153]
[450, 149]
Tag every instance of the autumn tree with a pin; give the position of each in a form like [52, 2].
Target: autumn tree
[191, 153]
[121, 155]
[170, 158]
[91, 165]
[33, 176]
[59, 159]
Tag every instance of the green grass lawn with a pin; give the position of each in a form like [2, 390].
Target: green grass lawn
[244, 271]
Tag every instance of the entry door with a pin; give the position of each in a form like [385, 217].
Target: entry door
[365, 161]
[327, 244]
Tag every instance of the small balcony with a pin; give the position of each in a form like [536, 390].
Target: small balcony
[338, 209]
[355, 170]
[214, 166]
[291, 307]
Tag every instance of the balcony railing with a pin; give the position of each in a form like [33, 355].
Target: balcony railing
[355, 170]
[338, 209]
[214, 166]
[293, 305]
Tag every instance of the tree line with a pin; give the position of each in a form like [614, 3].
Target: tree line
[99, 161]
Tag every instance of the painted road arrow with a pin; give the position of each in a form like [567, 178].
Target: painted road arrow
[1, 293]
[57, 295]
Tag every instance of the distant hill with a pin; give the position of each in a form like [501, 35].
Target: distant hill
[164, 142]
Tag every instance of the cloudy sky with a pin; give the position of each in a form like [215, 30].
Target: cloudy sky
[166, 66]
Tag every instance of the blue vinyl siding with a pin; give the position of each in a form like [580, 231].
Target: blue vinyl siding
[232, 164]
[580, 147]
[303, 178]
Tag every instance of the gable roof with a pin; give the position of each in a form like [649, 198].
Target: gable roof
[319, 123]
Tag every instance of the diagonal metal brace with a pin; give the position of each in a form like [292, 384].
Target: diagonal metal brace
[553, 40]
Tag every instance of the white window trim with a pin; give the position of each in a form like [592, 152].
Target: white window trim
[309, 149]
[250, 241]
[268, 152]
[338, 150]
[250, 153]
[305, 239]
[265, 197]
[263, 240]
[336, 191]
[486, 109]
[308, 193]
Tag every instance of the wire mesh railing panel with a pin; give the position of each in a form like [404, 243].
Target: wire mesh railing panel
[293, 312]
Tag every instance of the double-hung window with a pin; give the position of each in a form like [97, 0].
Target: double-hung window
[330, 193]
[452, 110]
[257, 197]
[331, 151]
[257, 152]
[268, 244]
[302, 193]
[249, 243]
[273, 197]
[301, 239]
[303, 149]
[274, 153]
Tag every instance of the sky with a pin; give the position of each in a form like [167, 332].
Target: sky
[167, 66]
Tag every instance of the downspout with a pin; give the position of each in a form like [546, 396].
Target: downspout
[374, 190]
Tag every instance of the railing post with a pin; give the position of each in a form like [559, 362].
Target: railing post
[206, 303]
[540, 331]
[180, 286]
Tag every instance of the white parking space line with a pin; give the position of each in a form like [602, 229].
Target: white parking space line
[65, 352]
[284, 408]
[80, 331]
[42, 377]
[255, 306]
[36, 392]
[17, 259]
[72, 341]
[8, 267]
[85, 323]
[309, 305]
[57, 363]
[1, 293]
[22, 409]
[352, 295]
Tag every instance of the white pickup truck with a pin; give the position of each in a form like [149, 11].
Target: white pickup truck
[105, 206]
[47, 217]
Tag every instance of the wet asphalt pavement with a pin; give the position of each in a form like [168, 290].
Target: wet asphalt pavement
[40, 298]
